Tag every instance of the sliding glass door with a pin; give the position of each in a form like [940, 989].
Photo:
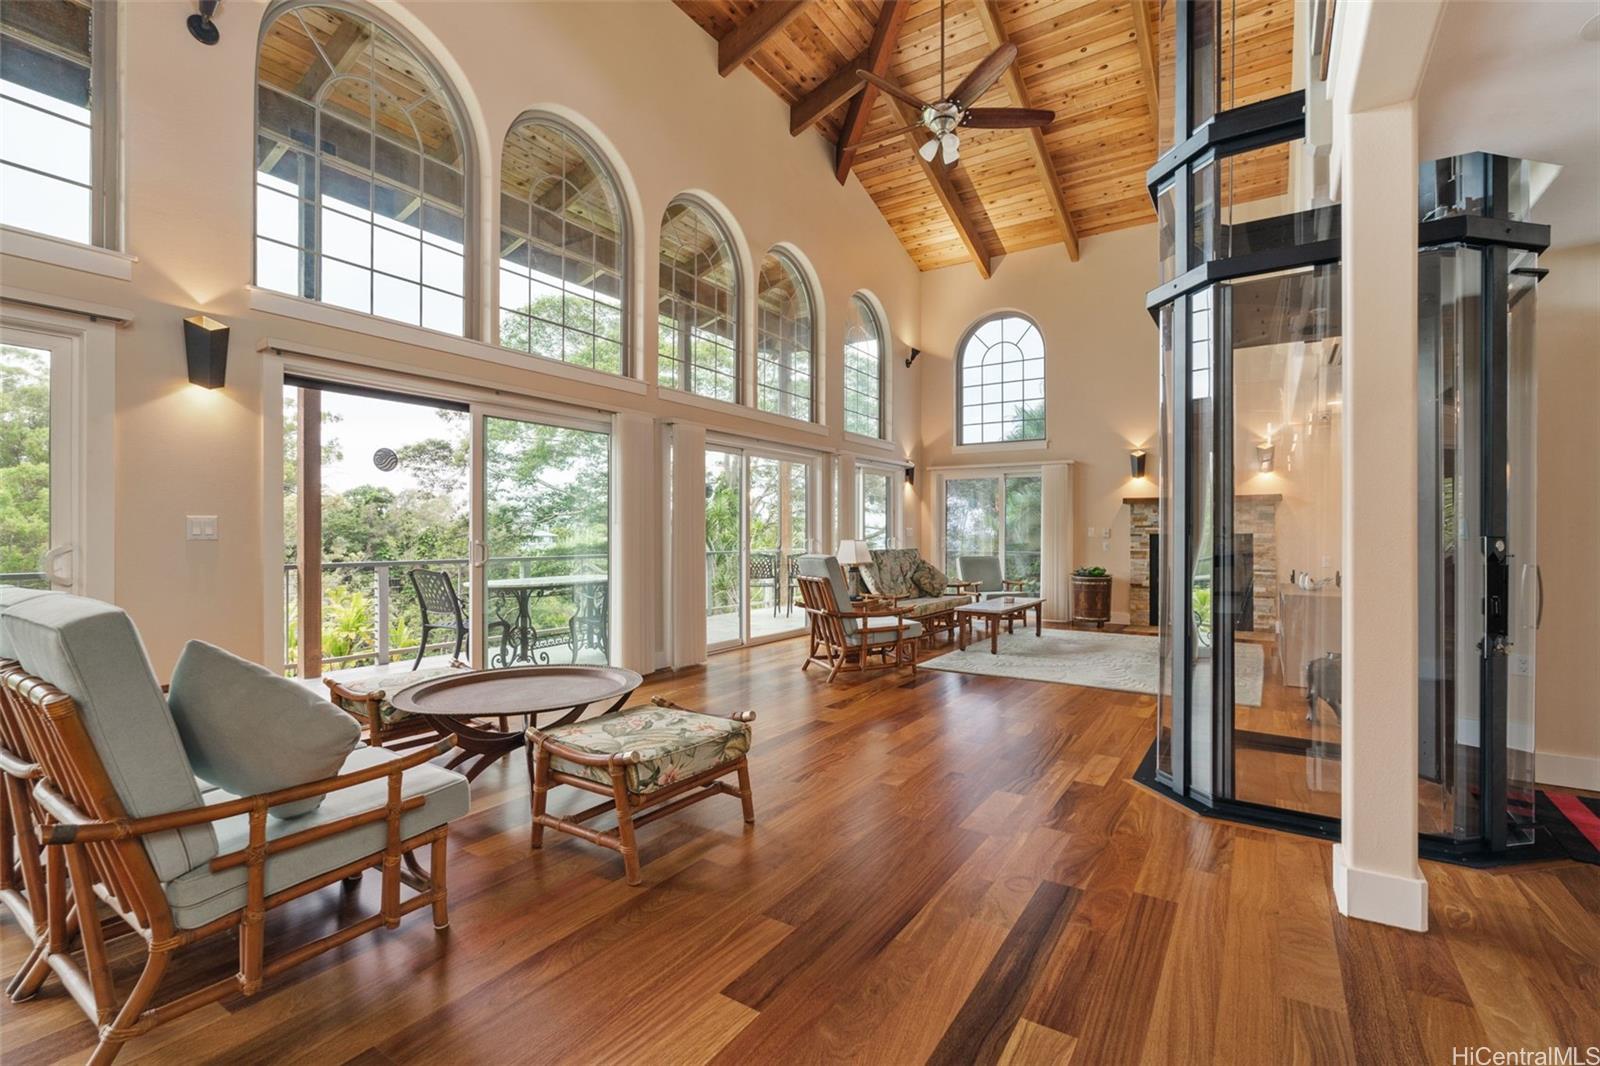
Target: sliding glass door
[422, 531]
[725, 621]
[875, 505]
[758, 524]
[546, 563]
[996, 515]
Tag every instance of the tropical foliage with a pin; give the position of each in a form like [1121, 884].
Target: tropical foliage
[24, 461]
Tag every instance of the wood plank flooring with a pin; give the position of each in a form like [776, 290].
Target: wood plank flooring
[949, 869]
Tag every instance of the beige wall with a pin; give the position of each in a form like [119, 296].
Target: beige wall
[1101, 378]
[1568, 366]
[641, 76]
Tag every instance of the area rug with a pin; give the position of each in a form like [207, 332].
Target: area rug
[1094, 660]
[1573, 821]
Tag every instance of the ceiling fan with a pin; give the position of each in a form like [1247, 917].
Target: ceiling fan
[955, 110]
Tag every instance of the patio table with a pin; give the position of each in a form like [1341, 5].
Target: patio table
[524, 635]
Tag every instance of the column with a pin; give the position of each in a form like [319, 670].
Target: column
[1383, 50]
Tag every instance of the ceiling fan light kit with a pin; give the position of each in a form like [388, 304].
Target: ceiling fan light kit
[944, 118]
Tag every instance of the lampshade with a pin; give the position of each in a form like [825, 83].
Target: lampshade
[854, 553]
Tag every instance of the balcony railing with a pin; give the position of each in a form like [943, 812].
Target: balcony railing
[26, 579]
[375, 594]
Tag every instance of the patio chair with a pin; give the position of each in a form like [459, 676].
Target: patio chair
[764, 571]
[441, 609]
[848, 639]
[985, 570]
[791, 592]
[129, 835]
[590, 624]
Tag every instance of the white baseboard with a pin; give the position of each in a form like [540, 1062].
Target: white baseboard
[1379, 897]
[1567, 771]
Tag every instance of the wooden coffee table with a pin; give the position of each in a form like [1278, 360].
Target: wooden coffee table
[999, 609]
[469, 703]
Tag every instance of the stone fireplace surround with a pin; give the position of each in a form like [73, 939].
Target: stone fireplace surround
[1255, 514]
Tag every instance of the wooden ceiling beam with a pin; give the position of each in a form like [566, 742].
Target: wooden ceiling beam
[988, 12]
[839, 87]
[944, 188]
[745, 39]
[1144, 36]
[884, 35]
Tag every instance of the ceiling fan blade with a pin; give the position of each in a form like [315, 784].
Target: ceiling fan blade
[984, 75]
[891, 88]
[1006, 118]
[889, 135]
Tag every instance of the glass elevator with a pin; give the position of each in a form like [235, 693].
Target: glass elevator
[1247, 553]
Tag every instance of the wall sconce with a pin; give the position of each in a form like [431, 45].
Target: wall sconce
[205, 342]
[1264, 456]
[1136, 462]
[911, 475]
[912, 358]
[200, 25]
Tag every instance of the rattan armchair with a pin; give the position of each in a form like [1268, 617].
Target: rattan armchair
[862, 636]
[102, 861]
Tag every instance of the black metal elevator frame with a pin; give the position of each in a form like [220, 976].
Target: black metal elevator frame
[1227, 133]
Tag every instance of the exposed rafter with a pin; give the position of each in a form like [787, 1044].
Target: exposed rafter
[944, 188]
[839, 87]
[745, 39]
[884, 35]
[988, 13]
[1144, 36]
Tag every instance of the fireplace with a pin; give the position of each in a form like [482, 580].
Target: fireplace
[1256, 558]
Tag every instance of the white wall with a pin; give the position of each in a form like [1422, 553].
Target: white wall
[641, 75]
[1101, 378]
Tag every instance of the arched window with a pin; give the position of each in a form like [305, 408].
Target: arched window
[58, 62]
[362, 170]
[863, 369]
[563, 248]
[784, 338]
[699, 310]
[1000, 374]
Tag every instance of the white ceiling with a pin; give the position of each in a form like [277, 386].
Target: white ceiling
[1514, 78]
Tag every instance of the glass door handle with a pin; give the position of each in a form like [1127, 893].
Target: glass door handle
[1538, 584]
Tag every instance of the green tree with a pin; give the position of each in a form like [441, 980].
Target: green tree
[24, 458]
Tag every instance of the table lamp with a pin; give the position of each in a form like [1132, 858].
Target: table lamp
[853, 555]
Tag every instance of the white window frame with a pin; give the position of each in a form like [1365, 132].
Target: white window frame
[893, 518]
[958, 387]
[102, 255]
[877, 320]
[82, 553]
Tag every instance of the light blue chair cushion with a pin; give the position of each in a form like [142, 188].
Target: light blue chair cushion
[984, 569]
[827, 566]
[91, 651]
[884, 631]
[10, 594]
[247, 730]
[201, 895]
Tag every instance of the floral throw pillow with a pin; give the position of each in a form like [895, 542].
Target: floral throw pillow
[929, 579]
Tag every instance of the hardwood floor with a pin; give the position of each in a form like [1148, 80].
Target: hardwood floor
[950, 869]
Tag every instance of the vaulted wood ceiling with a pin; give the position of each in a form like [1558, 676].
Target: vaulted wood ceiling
[1093, 62]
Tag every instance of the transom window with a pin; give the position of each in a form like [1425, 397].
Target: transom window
[1000, 370]
[699, 310]
[55, 89]
[562, 248]
[863, 369]
[361, 171]
[784, 339]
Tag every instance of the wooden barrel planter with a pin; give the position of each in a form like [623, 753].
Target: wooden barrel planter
[1091, 600]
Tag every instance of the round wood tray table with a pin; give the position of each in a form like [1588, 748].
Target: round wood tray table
[476, 705]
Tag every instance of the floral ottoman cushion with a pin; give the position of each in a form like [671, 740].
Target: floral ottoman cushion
[673, 744]
[388, 684]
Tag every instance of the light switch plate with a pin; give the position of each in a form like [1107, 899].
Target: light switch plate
[200, 527]
[1091, 531]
